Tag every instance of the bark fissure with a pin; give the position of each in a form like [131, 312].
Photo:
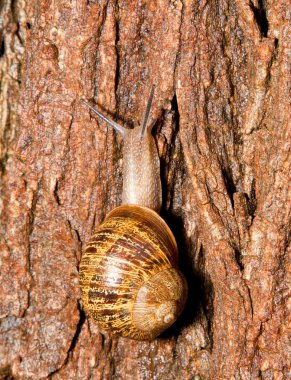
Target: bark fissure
[56, 195]
[261, 17]
[2, 46]
[117, 38]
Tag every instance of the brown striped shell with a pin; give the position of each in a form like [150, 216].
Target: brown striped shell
[128, 274]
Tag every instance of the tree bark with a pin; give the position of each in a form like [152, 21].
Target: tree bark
[221, 126]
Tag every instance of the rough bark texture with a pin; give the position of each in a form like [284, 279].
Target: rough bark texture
[221, 126]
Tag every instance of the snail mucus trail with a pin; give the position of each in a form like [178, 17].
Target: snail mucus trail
[129, 276]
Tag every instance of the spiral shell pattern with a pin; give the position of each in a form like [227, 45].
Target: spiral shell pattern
[128, 274]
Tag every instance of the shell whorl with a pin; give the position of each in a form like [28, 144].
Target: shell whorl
[160, 301]
[128, 274]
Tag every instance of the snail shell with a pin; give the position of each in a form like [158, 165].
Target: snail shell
[128, 274]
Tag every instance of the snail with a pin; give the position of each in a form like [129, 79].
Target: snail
[129, 277]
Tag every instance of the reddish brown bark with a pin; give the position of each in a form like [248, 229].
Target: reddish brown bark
[221, 111]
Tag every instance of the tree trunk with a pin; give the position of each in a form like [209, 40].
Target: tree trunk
[221, 126]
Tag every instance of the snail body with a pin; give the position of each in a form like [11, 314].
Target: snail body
[129, 276]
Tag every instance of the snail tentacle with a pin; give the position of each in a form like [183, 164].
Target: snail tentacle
[147, 112]
[121, 130]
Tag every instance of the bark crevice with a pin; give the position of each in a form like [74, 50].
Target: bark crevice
[260, 15]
